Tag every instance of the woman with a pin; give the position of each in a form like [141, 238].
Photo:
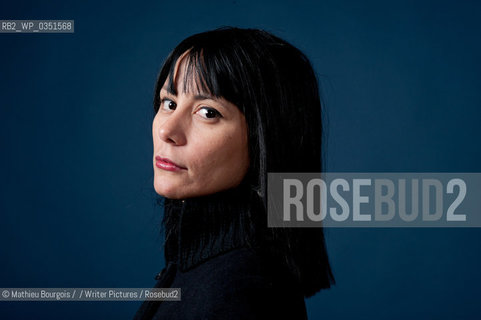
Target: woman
[231, 105]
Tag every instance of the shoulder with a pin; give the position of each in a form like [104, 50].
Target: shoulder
[240, 284]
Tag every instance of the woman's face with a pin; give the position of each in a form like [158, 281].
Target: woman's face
[200, 143]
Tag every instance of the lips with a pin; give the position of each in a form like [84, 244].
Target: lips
[167, 164]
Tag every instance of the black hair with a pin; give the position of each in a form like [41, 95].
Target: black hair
[275, 87]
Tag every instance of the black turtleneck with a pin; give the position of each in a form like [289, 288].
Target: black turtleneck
[213, 253]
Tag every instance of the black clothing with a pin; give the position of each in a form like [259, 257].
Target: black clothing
[221, 274]
[234, 285]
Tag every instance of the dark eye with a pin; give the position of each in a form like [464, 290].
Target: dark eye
[209, 113]
[167, 105]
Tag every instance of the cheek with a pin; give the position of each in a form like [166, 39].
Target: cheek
[206, 154]
[219, 154]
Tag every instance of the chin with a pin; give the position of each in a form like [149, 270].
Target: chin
[164, 190]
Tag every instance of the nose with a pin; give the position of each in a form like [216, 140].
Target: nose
[172, 129]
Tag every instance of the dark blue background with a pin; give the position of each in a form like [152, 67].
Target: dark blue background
[401, 84]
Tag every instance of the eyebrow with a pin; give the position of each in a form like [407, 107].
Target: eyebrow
[204, 96]
[200, 96]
